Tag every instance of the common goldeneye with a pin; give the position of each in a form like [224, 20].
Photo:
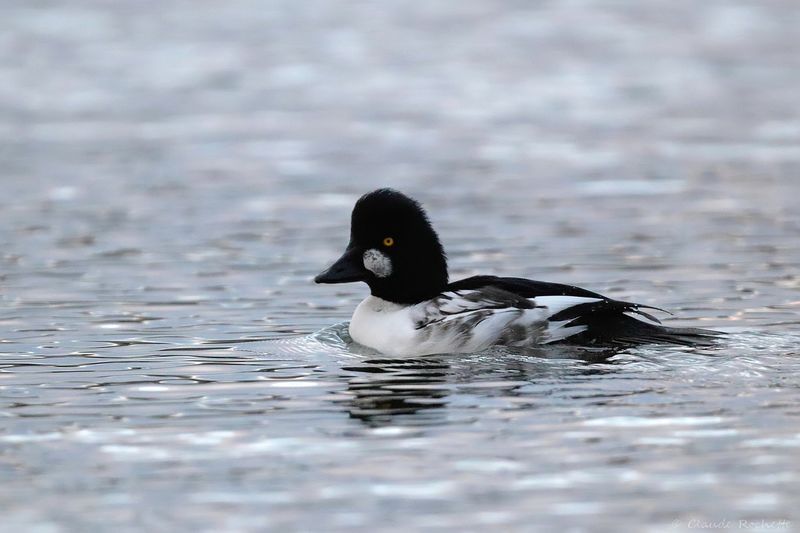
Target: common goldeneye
[414, 310]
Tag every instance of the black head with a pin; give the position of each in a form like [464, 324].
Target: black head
[393, 249]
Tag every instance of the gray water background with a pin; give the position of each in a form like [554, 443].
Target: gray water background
[174, 173]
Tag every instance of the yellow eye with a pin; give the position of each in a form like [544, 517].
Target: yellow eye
[388, 241]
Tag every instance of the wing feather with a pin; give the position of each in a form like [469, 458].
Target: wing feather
[579, 315]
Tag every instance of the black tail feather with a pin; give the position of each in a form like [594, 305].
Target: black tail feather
[622, 330]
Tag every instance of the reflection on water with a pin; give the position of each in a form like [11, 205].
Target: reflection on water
[382, 392]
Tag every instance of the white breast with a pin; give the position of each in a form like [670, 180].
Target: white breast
[384, 326]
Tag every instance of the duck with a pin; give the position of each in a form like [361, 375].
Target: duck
[413, 309]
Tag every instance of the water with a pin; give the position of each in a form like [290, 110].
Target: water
[174, 174]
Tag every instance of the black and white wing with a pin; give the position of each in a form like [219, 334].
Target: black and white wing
[472, 319]
[577, 315]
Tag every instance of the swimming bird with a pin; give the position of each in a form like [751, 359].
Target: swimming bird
[413, 308]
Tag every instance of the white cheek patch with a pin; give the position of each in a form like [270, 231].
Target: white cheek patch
[378, 263]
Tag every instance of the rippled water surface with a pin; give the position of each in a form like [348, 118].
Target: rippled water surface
[175, 173]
